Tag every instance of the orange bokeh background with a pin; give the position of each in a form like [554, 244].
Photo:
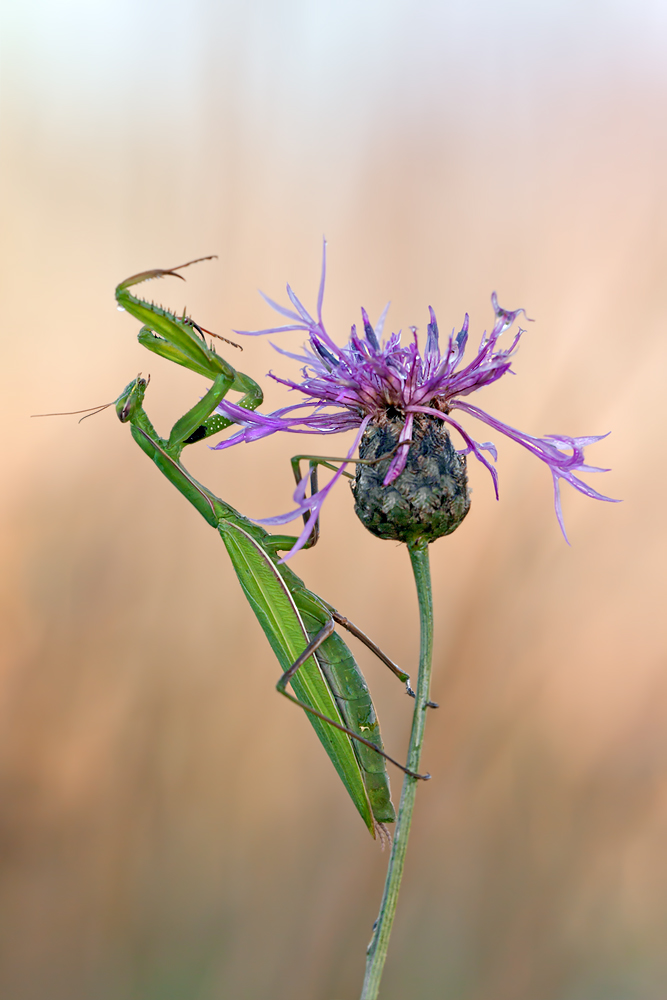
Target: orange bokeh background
[170, 827]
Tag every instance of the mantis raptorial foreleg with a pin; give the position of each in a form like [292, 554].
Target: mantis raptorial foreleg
[181, 340]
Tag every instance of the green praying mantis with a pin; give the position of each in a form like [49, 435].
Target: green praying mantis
[300, 627]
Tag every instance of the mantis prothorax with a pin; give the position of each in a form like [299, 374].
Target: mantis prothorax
[300, 626]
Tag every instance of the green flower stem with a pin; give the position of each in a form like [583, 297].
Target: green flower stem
[377, 949]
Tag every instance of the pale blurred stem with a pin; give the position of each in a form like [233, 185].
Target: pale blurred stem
[377, 949]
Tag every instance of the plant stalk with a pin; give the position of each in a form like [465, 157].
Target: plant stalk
[377, 949]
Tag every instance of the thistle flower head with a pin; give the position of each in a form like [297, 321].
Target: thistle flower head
[374, 383]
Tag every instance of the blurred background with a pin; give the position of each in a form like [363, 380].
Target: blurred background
[170, 827]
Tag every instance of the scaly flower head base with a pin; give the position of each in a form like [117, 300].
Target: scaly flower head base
[428, 499]
[372, 385]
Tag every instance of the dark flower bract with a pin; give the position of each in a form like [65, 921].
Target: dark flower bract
[428, 499]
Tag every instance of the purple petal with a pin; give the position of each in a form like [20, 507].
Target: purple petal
[281, 309]
[432, 341]
[379, 326]
[300, 308]
[369, 331]
[552, 450]
[558, 507]
[320, 294]
[270, 329]
[397, 463]
[295, 357]
[473, 446]
[505, 317]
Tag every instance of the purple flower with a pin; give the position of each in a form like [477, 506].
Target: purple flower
[361, 383]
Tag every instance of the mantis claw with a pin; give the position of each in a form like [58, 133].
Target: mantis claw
[159, 272]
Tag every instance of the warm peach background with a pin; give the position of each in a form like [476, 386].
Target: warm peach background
[171, 829]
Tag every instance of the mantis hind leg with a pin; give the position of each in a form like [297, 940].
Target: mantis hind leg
[374, 648]
[311, 648]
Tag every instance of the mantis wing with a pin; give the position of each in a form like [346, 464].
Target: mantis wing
[277, 613]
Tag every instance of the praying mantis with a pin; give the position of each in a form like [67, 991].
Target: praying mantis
[300, 626]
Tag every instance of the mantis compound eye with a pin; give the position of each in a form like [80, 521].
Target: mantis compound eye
[124, 411]
[429, 499]
[131, 398]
